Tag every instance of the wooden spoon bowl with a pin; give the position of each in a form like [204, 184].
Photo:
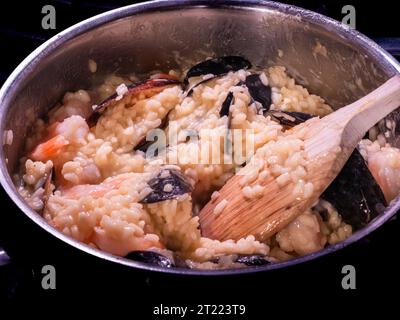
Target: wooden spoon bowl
[328, 143]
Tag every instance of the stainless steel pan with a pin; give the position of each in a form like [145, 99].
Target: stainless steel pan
[166, 34]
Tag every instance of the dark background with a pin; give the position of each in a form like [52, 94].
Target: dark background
[80, 277]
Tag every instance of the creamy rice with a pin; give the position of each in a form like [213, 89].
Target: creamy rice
[100, 179]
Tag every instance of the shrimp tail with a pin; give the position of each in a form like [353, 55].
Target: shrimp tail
[49, 149]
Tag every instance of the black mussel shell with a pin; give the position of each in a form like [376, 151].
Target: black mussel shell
[217, 66]
[226, 105]
[258, 91]
[289, 119]
[179, 261]
[355, 194]
[180, 185]
[253, 260]
[150, 257]
[144, 144]
[135, 88]
[190, 91]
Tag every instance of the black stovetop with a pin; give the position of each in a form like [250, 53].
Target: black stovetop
[375, 257]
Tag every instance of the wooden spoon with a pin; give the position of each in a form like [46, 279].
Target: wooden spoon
[328, 144]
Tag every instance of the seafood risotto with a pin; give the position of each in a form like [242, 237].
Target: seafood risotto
[126, 167]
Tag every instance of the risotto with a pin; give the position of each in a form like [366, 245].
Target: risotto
[127, 166]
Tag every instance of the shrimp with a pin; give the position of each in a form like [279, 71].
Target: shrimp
[74, 103]
[49, 149]
[71, 131]
[121, 235]
[385, 167]
[68, 135]
[105, 241]
[97, 190]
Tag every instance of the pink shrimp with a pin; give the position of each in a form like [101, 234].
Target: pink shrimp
[102, 237]
[60, 134]
[49, 149]
[95, 190]
[108, 243]
[385, 167]
[70, 132]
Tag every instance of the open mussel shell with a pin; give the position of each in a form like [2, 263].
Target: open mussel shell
[259, 91]
[168, 184]
[151, 257]
[217, 66]
[190, 91]
[252, 260]
[224, 111]
[355, 194]
[145, 143]
[149, 87]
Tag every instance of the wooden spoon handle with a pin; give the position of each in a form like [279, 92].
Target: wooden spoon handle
[358, 117]
[345, 127]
